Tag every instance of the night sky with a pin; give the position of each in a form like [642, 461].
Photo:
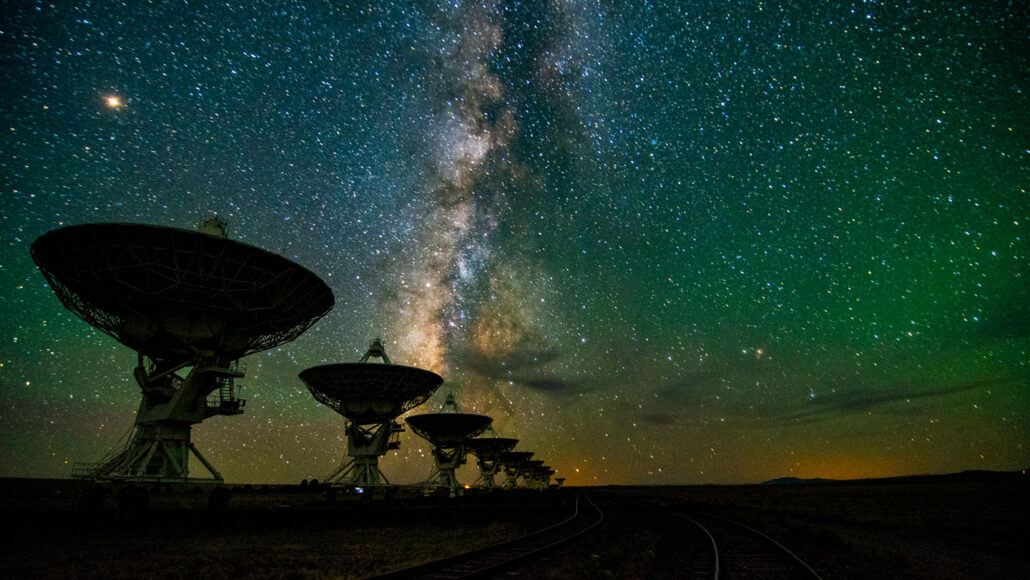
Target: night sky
[658, 242]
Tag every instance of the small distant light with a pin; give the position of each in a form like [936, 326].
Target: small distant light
[359, 490]
[467, 486]
[113, 101]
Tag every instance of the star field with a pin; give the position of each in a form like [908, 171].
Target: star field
[658, 242]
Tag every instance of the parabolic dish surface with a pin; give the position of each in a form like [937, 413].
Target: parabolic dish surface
[513, 458]
[448, 429]
[491, 447]
[370, 392]
[168, 292]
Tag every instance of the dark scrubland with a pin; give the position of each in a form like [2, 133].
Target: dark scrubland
[971, 525]
[264, 532]
[936, 527]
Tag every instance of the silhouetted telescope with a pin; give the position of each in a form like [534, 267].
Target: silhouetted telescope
[448, 433]
[488, 451]
[188, 302]
[530, 471]
[512, 462]
[371, 396]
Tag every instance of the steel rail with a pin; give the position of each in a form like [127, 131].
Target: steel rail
[715, 548]
[491, 560]
[711, 538]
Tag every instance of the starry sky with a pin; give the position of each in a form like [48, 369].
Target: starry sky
[658, 242]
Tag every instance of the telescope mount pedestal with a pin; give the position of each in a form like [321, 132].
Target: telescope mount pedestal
[365, 445]
[445, 462]
[160, 446]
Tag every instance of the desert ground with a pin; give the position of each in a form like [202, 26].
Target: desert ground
[966, 526]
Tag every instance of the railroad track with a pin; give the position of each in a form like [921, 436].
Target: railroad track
[740, 551]
[509, 555]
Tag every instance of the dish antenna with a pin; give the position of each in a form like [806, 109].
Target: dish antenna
[371, 396]
[540, 477]
[512, 462]
[449, 433]
[191, 304]
[530, 473]
[488, 451]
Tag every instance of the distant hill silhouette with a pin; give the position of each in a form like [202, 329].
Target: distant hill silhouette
[790, 480]
[972, 475]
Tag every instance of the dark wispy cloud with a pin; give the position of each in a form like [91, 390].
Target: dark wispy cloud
[1009, 322]
[899, 399]
[659, 419]
[526, 368]
[693, 400]
[687, 399]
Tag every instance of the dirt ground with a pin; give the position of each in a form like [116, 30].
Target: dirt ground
[917, 528]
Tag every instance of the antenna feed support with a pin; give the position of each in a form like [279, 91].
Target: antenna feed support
[377, 350]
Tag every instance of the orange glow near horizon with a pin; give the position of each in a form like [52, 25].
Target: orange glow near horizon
[852, 468]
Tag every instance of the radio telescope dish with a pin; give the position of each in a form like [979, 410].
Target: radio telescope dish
[448, 433]
[371, 397]
[366, 393]
[545, 477]
[184, 301]
[491, 447]
[536, 475]
[512, 462]
[515, 457]
[528, 472]
[168, 293]
[448, 429]
[488, 451]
